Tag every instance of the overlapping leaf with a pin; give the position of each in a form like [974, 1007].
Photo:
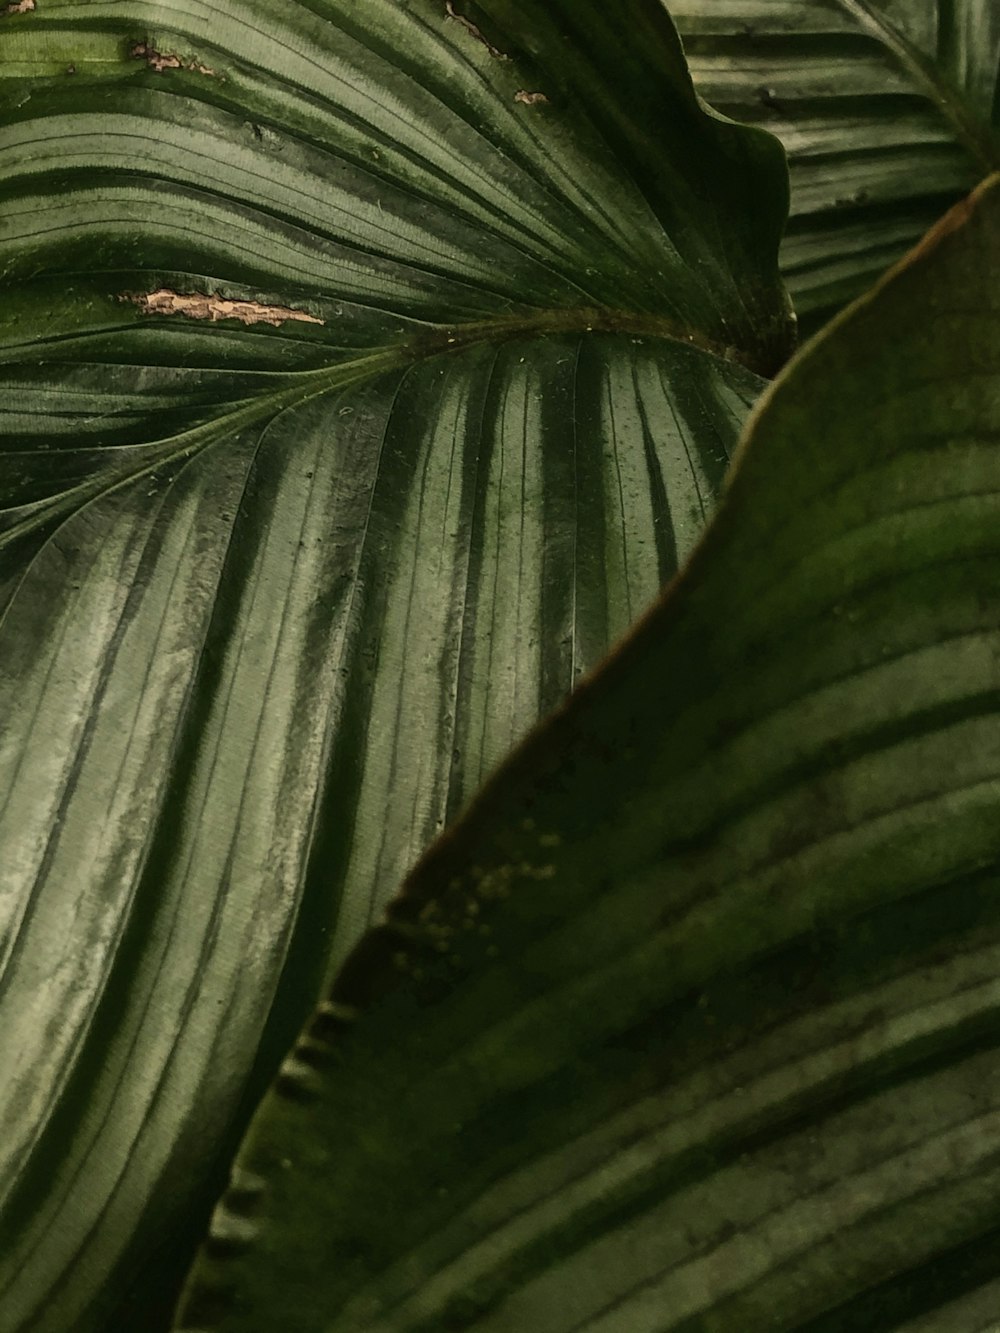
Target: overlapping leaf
[364, 371]
[889, 110]
[691, 1023]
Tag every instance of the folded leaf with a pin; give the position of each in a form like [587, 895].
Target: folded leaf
[889, 110]
[691, 1021]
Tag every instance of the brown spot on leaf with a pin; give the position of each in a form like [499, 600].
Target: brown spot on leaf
[17, 7]
[159, 60]
[214, 308]
[471, 28]
[529, 99]
[154, 59]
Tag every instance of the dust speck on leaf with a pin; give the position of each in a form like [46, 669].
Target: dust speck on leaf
[529, 99]
[213, 308]
[473, 31]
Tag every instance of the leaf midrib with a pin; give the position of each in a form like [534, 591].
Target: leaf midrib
[341, 375]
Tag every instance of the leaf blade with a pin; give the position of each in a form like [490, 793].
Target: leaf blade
[268, 277]
[284, 593]
[725, 1053]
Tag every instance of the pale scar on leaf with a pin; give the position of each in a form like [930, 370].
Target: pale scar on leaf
[18, 7]
[159, 60]
[214, 308]
[529, 99]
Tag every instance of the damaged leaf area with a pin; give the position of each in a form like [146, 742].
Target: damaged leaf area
[158, 60]
[471, 28]
[17, 7]
[199, 306]
[530, 99]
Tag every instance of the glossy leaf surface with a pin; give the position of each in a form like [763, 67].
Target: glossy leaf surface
[691, 1022]
[351, 403]
[889, 110]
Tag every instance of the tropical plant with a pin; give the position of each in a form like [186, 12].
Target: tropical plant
[368, 370]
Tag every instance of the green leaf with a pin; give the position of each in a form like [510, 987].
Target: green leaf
[691, 1021]
[354, 399]
[889, 110]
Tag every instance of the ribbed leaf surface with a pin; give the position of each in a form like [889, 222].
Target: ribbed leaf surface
[362, 375]
[691, 1023]
[889, 110]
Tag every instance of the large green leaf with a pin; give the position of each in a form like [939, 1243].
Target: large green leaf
[889, 110]
[691, 1022]
[362, 374]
